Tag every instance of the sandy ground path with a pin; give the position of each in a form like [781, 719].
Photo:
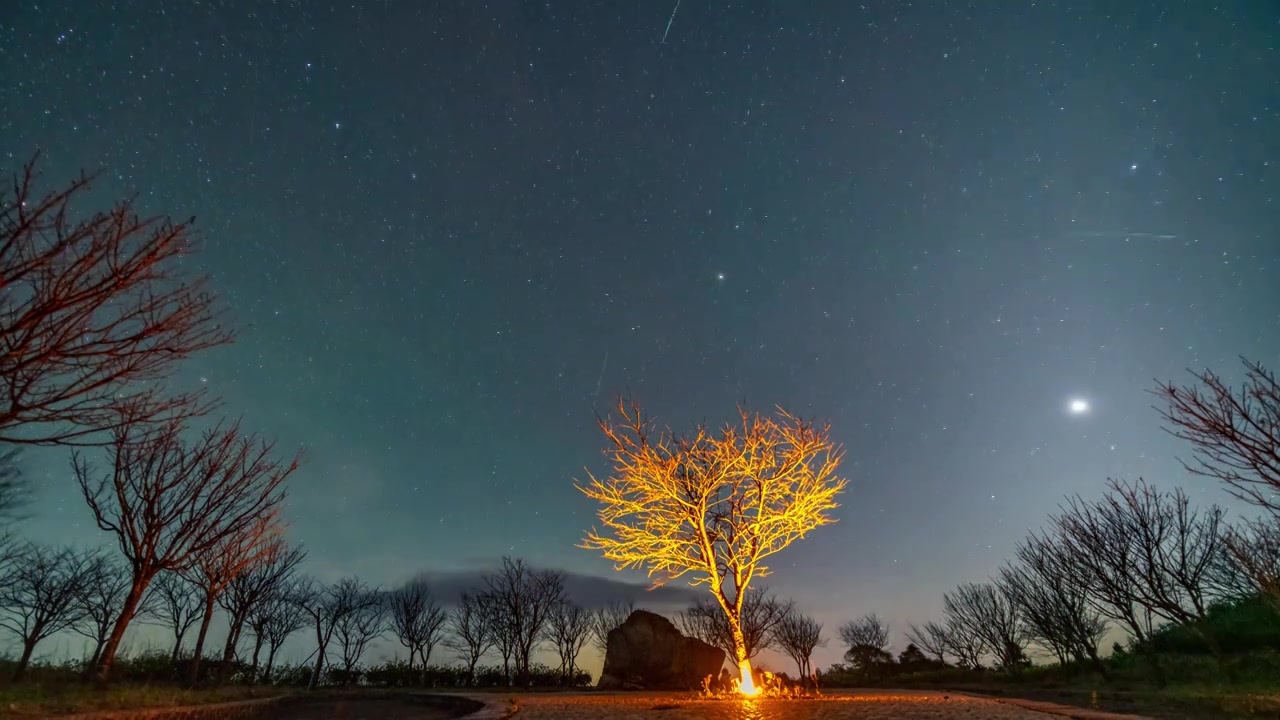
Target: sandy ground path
[886, 705]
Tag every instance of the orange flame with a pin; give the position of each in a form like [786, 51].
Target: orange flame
[747, 684]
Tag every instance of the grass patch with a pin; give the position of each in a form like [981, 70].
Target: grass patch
[36, 700]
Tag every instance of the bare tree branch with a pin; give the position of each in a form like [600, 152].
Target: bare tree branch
[569, 628]
[94, 315]
[798, 635]
[416, 619]
[471, 631]
[1235, 433]
[169, 502]
[40, 596]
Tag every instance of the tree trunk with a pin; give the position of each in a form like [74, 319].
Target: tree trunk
[107, 656]
[177, 646]
[28, 647]
[320, 648]
[257, 648]
[193, 674]
[271, 661]
[229, 650]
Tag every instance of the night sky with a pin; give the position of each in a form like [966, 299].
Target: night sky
[449, 233]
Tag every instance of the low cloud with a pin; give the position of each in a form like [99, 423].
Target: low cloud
[590, 591]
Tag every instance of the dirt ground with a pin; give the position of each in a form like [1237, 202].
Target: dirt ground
[889, 705]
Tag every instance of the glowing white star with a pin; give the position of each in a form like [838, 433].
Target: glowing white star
[1078, 406]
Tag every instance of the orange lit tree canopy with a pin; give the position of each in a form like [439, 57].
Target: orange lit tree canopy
[712, 506]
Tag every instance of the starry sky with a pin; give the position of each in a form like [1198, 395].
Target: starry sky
[451, 232]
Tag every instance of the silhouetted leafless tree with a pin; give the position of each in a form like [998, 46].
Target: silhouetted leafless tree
[1253, 550]
[607, 618]
[760, 613]
[1146, 553]
[1235, 433]
[39, 597]
[569, 627]
[178, 605]
[15, 488]
[471, 630]
[523, 600]
[94, 313]
[982, 610]
[276, 619]
[1055, 610]
[360, 627]
[324, 607]
[214, 568]
[866, 641]
[268, 573]
[169, 502]
[967, 645]
[798, 635]
[931, 638]
[416, 619]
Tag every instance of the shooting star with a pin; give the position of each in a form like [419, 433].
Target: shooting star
[1122, 234]
[669, 21]
[600, 379]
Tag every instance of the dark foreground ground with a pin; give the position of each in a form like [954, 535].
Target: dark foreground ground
[871, 705]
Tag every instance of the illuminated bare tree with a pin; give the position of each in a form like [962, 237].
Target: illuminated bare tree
[169, 502]
[216, 567]
[713, 506]
[178, 605]
[416, 619]
[761, 612]
[103, 601]
[39, 597]
[569, 628]
[471, 631]
[607, 618]
[798, 635]
[1235, 433]
[94, 312]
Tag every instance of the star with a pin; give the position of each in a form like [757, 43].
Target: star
[1078, 406]
[720, 276]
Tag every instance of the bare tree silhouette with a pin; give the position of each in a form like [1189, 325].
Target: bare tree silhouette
[931, 638]
[416, 619]
[569, 629]
[40, 596]
[983, 611]
[1234, 433]
[798, 635]
[760, 613]
[471, 631]
[360, 627]
[178, 605]
[264, 576]
[523, 600]
[326, 606]
[607, 618]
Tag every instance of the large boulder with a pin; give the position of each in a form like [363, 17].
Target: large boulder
[648, 652]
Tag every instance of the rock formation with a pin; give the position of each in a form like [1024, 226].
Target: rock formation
[648, 652]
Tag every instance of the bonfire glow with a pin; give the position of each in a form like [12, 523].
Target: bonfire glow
[747, 685]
